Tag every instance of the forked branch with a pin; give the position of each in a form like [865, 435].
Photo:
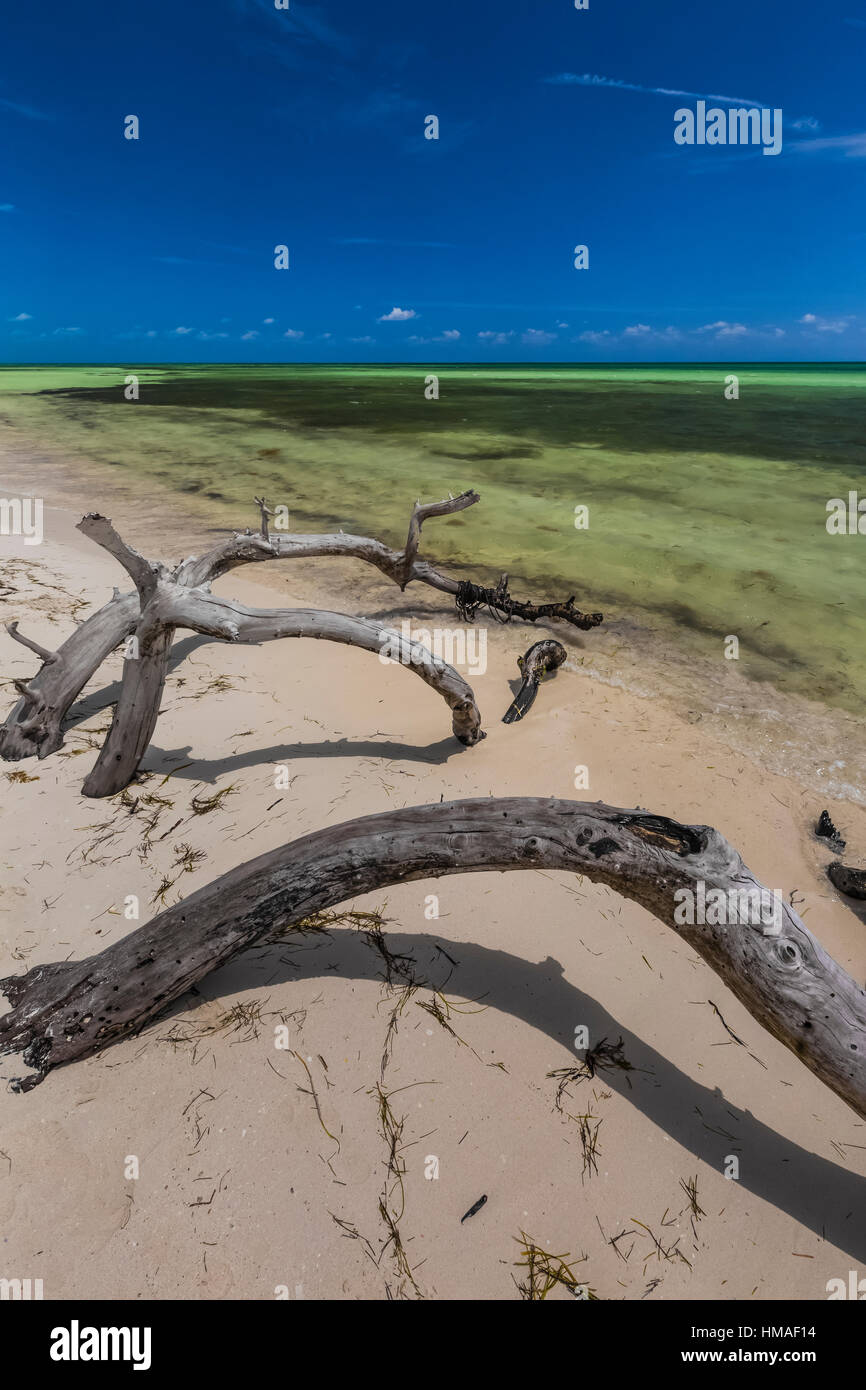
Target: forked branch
[35, 724]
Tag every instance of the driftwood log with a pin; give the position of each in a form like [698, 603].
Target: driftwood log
[67, 1010]
[167, 599]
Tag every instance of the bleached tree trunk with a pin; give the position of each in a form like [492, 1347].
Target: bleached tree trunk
[143, 680]
[784, 977]
[35, 725]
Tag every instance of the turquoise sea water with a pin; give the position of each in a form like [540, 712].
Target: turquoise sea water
[706, 515]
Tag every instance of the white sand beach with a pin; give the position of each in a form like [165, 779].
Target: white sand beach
[246, 1191]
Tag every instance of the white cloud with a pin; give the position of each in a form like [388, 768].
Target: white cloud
[293, 333]
[20, 318]
[822, 325]
[368, 339]
[641, 331]
[590, 336]
[247, 337]
[492, 338]
[181, 331]
[68, 330]
[267, 320]
[806, 123]
[206, 337]
[537, 337]
[450, 335]
[723, 329]
[397, 316]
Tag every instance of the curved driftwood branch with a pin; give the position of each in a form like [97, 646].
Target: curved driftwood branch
[137, 709]
[780, 973]
[34, 726]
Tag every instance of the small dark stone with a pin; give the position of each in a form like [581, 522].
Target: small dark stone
[826, 830]
[851, 882]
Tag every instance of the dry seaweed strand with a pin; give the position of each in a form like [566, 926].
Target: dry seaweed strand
[545, 1272]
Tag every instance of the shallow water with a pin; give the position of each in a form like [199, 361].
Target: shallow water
[707, 516]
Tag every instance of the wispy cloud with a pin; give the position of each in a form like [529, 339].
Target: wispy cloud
[20, 318]
[7, 207]
[451, 335]
[299, 28]
[721, 331]
[387, 241]
[29, 112]
[630, 333]
[293, 333]
[817, 324]
[849, 146]
[589, 79]
[537, 337]
[598, 336]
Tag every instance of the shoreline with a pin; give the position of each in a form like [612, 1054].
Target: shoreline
[822, 746]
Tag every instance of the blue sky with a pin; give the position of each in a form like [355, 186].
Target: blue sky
[261, 127]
